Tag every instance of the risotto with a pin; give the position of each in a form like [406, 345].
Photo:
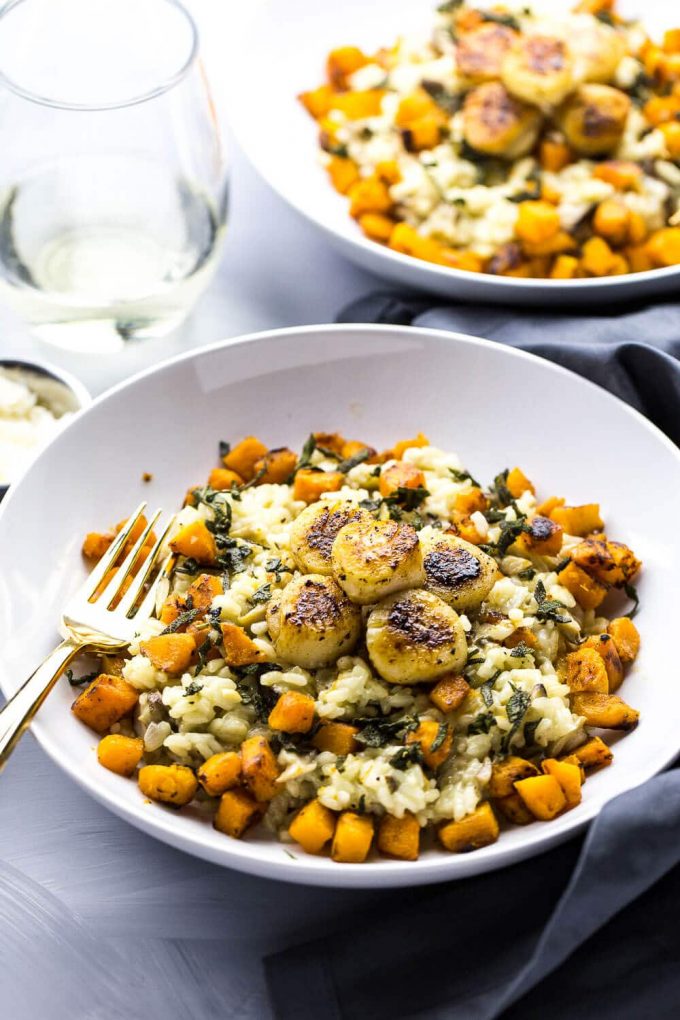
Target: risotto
[511, 139]
[371, 652]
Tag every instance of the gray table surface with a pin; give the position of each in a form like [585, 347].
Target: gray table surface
[97, 920]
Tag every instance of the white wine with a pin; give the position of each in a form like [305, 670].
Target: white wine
[127, 261]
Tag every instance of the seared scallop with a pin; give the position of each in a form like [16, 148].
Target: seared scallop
[313, 532]
[414, 636]
[372, 559]
[457, 571]
[496, 123]
[479, 54]
[597, 50]
[594, 119]
[312, 622]
[538, 69]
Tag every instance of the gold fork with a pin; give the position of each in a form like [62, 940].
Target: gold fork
[92, 621]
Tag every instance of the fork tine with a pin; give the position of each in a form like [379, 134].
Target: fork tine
[113, 588]
[95, 578]
[148, 603]
[134, 591]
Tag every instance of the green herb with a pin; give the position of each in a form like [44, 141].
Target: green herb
[527, 575]
[524, 196]
[305, 458]
[262, 699]
[361, 806]
[233, 555]
[412, 754]
[381, 731]
[79, 681]
[404, 500]
[351, 462]
[631, 592]
[516, 709]
[450, 102]
[225, 448]
[561, 565]
[442, 734]
[188, 566]
[337, 149]
[262, 595]
[202, 651]
[606, 18]
[193, 688]
[481, 723]
[548, 609]
[521, 651]
[500, 487]
[501, 19]
[186, 617]
[530, 732]
[370, 504]
[449, 5]
[463, 476]
[486, 691]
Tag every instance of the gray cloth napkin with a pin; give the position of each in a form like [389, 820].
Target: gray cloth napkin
[548, 936]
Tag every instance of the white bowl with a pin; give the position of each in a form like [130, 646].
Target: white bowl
[273, 51]
[494, 405]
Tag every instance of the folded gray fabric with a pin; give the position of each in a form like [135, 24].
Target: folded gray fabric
[474, 950]
[630, 351]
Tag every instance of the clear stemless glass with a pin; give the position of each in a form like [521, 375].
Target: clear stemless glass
[113, 188]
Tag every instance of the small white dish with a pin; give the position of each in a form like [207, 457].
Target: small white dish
[494, 405]
[55, 389]
[274, 51]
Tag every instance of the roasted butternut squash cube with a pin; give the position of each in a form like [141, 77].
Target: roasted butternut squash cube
[342, 63]
[170, 653]
[369, 194]
[196, 542]
[542, 795]
[610, 562]
[435, 740]
[626, 637]
[312, 827]
[220, 773]
[605, 647]
[514, 809]
[472, 832]
[202, 591]
[352, 838]
[120, 754]
[605, 711]
[343, 173]
[578, 520]
[506, 772]
[399, 837]
[517, 482]
[586, 671]
[244, 456]
[309, 486]
[521, 636]
[587, 590]
[104, 702]
[359, 104]
[469, 502]
[239, 649]
[260, 768]
[95, 545]
[236, 812]
[569, 778]
[403, 445]
[223, 479]
[594, 754]
[276, 467]
[169, 784]
[293, 713]
[544, 537]
[339, 738]
[450, 692]
[400, 475]
[318, 102]
[332, 441]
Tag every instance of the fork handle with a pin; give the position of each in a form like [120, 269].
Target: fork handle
[17, 715]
